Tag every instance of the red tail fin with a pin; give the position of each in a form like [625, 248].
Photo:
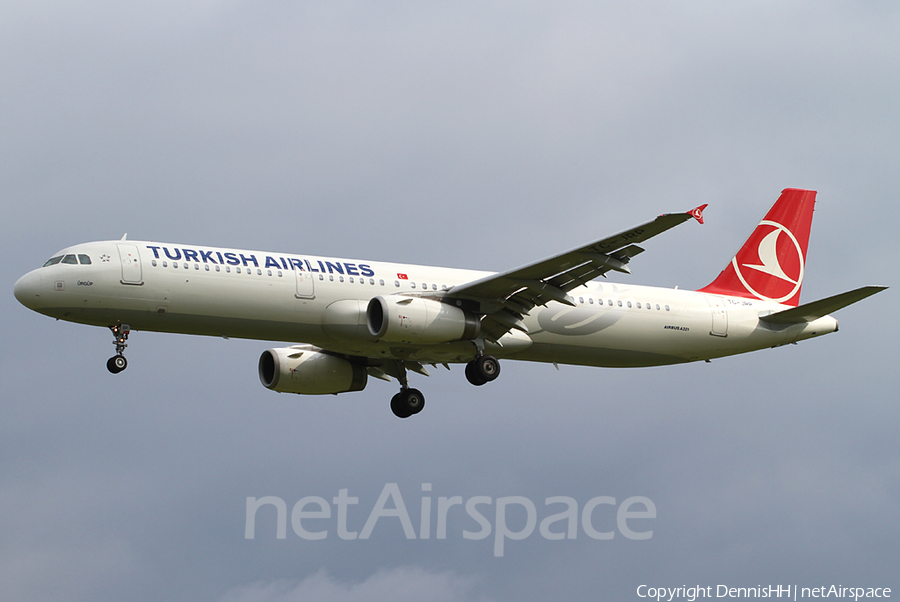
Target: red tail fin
[771, 263]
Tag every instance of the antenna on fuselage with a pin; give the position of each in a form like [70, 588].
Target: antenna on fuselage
[124, 236]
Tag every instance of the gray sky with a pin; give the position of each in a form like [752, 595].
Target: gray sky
[482, 135]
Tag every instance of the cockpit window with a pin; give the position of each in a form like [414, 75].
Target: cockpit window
[84, 260]
[70, 259]
[53, 260]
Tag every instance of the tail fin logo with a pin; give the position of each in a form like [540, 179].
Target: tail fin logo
[778, 267]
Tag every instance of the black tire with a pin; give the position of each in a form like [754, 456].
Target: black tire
[116, 364]
[407, 402]
[398, 407]
[482, 369]
[473, 375]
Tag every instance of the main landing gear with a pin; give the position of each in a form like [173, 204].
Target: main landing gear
[483, 369]
[408, 401]
[117, 363]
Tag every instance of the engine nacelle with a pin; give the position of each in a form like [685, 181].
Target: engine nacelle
[417, 320]
[309, 372]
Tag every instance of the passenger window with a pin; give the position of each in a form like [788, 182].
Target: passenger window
[165, 264]
[667, 308]
[153, 263]
[434, 287]
[237, 270]
[228, 269]
[657, 307]
[331, 277]
[259, 272]
[412, 284]
[639, 305]
[350, 279]
[321, 277]
[620, 304]
[217, 268]
[397, 283]
[341, 278]
[609, 301]
[206, 267]
[174, 264]
[372, 281]
[84, 260]
[53, 260]
[196, 266]
[581, 299]
[70, 259]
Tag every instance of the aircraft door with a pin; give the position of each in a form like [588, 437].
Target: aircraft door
[131, 264]
[719, 316]
[305, 285]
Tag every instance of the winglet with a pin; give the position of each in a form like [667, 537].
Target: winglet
[697, 212]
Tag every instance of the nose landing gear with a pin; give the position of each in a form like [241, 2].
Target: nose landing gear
[117, 363]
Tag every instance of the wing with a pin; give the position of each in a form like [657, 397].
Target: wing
[505, 298]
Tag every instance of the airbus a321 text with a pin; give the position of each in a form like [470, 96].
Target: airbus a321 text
[357, 319]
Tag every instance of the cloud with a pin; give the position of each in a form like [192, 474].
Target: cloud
[401, 584]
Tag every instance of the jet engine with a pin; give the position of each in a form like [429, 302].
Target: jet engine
[419, 321]
[309, 371]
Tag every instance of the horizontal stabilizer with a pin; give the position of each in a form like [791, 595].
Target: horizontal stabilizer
[817, 309]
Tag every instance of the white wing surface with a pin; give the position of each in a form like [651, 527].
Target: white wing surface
[505, 298]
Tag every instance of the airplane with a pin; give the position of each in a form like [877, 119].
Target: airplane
[353, 319]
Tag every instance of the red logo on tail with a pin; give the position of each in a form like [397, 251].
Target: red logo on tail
[770, 265]
[776, 272]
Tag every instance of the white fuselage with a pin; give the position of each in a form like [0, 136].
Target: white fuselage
[322, 301]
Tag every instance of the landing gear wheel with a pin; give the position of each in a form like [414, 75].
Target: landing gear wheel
[116, 364]
[407, 402]
[483, 369]
[472, 375]
[397, 406]
[414, 400]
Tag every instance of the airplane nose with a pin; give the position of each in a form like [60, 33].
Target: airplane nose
[28, 290]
